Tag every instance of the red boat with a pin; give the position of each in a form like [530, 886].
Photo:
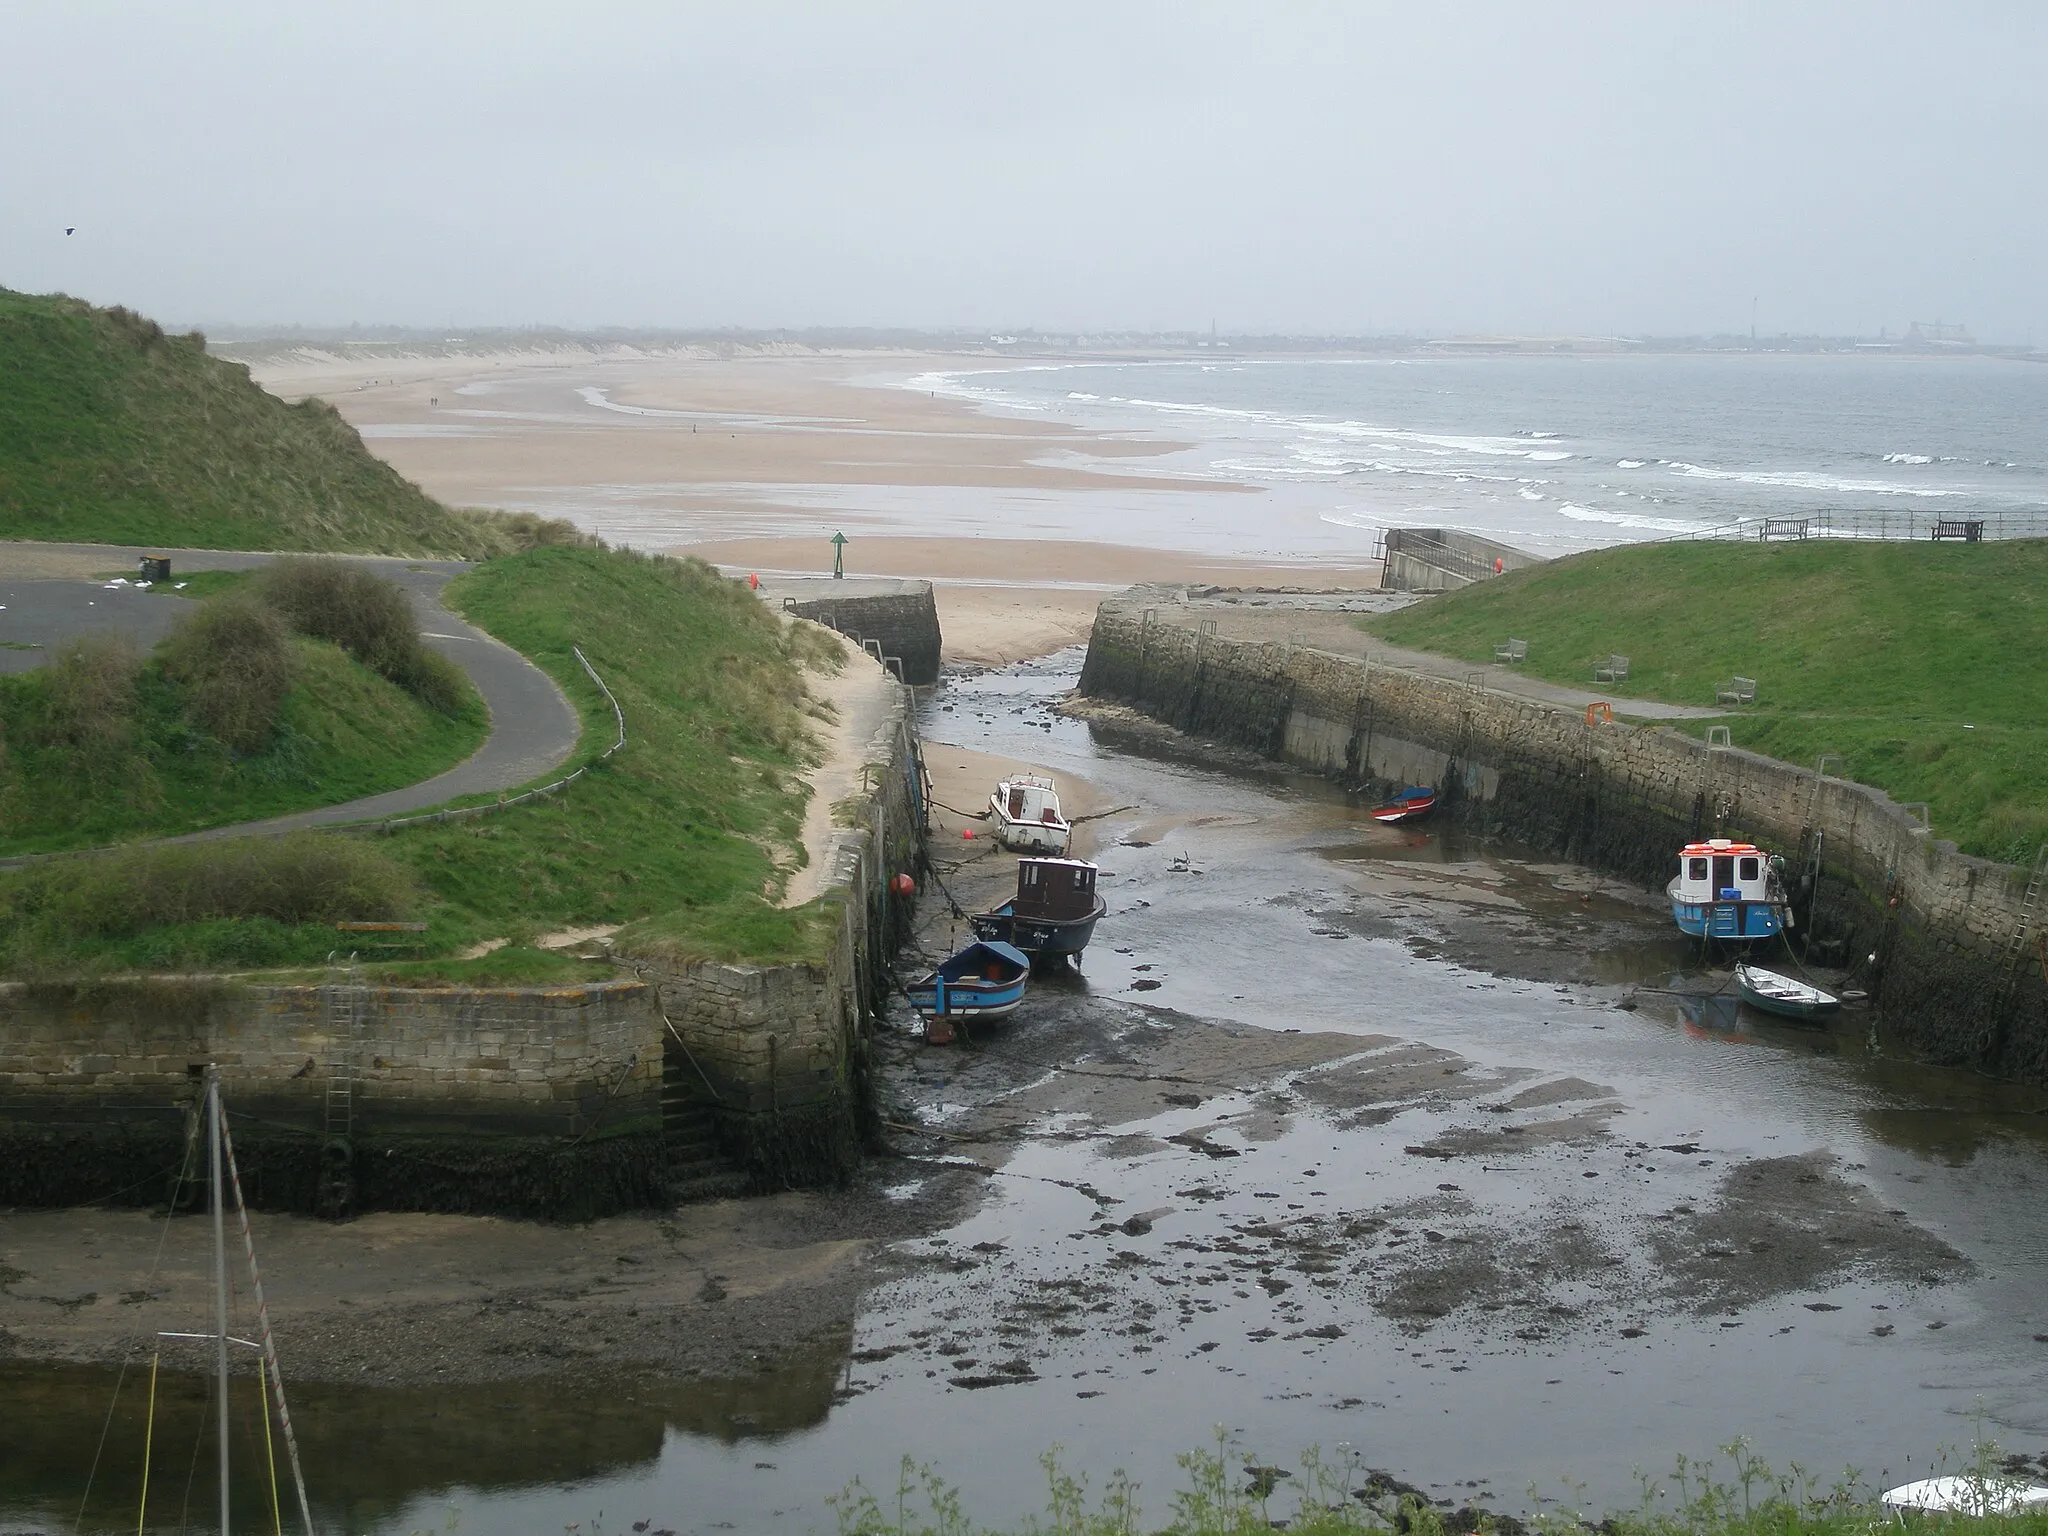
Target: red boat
[1412, 804]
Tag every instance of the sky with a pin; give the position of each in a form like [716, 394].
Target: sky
[1576, 168]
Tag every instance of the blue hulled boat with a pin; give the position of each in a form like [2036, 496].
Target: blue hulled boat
[983, 981]
[1727, 890]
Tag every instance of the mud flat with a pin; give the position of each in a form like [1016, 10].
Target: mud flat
[1939, 939]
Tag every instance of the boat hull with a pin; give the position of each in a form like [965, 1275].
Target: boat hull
[1738, 922]
[1030, 836]
[1046, 940]
[1789, 999]
[983, 981]
[966, 999]
[1412, 806]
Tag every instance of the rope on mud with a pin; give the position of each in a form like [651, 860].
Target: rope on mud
[1116, 810]
[968, 815]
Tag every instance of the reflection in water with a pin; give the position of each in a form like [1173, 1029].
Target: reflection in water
[368, 1452]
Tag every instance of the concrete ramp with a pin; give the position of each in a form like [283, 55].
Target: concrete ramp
[1438, 559]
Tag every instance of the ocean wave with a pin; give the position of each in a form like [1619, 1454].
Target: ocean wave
[1908, 458]
[1528, 495]
[1804, 480]
[1628, 463]
[1579, 514]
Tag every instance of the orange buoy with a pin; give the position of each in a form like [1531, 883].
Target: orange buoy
[903, 885]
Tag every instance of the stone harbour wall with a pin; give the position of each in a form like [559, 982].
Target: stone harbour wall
[904, 623]
[779, 1053]
[526, 1060]
[1958, 976]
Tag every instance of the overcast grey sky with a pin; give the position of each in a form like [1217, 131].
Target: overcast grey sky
[1652, 167]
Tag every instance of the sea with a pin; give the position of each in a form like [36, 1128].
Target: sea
[1548, 453]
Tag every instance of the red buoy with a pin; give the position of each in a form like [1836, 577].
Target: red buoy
[967, 834]
[903, 885]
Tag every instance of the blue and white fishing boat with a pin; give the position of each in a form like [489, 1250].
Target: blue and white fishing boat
[1727, 890]
[983, 981]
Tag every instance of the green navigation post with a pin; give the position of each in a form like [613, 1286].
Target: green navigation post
[838, 557]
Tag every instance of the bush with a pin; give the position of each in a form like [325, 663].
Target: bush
[368, 616]
[232, 661]
[92, 693]
[283, 880]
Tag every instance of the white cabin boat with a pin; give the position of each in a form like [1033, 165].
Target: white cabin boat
[1726, 890]
[1025, 810]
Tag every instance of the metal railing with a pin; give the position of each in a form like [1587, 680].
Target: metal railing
[1907, 523]
[503, 802]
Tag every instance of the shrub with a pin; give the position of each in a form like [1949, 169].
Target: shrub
[92, 694]
[368, 616]
[232, 661]
[283, 880]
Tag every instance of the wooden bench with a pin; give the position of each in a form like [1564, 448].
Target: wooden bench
[1511, 651]
[1614, 671]
[1969, 530]
[1740, 690]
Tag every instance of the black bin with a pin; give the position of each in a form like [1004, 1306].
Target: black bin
[156, 568]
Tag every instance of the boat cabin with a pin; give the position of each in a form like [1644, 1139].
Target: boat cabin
[1055, 890]
[1721, 870]
[1032, 797]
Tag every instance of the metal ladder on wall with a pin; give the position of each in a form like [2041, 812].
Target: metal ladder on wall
[2015, 953]
[344, 1020]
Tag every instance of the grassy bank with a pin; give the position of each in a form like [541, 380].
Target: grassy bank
[1924, 666]
[342, 731]
[1225, 1492]
[112, 431]
[686, 836]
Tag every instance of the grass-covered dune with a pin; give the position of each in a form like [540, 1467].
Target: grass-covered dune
[250, 708]
[1924, 666]
[686, 836]
[112, 431]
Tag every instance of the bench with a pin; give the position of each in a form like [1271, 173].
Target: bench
[1969, 530]
[1615, 670]
[1511, 651]
[1740, 690]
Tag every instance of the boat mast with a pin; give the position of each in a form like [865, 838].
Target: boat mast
[220, 1277]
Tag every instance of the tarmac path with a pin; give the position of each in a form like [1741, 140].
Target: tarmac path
[534, 728]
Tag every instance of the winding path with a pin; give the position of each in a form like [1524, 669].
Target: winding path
[534, 728]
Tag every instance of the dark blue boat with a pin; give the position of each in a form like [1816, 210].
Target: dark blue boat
[1052, 916]
[983, 981]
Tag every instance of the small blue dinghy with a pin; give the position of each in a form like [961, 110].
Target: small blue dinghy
[983, 981]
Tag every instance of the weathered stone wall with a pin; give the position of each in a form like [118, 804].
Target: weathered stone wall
[781, 1051]
[1952, 982]
[525, 1060]
[905, 624]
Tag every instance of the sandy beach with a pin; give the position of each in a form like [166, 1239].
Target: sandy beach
[753, 463]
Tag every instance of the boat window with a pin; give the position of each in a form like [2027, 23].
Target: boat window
[1031, 874]
[1695, 869]
[1748, 869]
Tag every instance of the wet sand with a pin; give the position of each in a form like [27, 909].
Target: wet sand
[753, 463]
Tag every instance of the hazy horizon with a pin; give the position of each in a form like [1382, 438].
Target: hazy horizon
[1827, 169]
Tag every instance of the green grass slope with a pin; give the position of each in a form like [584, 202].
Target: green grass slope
[1925, 666]
[344, 732]
[113, 432]
[685, 834]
